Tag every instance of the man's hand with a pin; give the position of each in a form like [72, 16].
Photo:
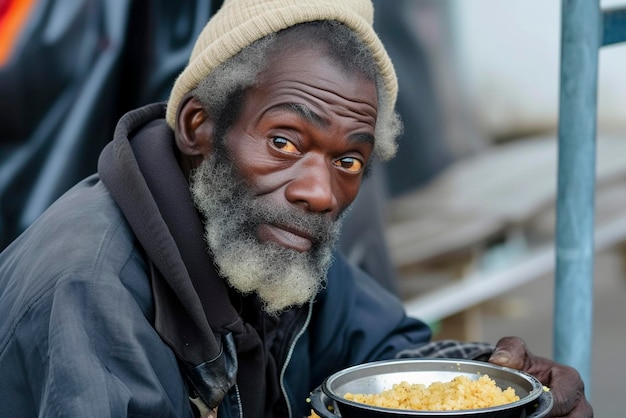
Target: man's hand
[564, 382]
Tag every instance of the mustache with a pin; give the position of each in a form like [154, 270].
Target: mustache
[318, 227]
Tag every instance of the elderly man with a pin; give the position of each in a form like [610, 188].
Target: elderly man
[195, 273]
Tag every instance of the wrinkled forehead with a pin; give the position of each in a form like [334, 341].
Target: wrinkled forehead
[313, 74]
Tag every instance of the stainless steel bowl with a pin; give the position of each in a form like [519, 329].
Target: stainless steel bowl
[328, 400]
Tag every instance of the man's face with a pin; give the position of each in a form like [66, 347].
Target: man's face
[289, 166]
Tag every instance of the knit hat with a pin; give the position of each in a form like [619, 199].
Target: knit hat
[239, 23]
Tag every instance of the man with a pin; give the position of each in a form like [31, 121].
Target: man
[195, 273]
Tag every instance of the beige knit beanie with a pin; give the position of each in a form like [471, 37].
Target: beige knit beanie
[239, 23]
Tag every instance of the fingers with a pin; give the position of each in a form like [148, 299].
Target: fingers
[581, 410]
[571, 402]
[565, 383]
[511, 352]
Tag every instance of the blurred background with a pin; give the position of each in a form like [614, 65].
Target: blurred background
[465, 212]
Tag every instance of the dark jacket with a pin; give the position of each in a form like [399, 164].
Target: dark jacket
[111, 307]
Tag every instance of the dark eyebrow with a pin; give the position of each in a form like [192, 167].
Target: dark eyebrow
[363, 137]
[307, 114]
[304, 112]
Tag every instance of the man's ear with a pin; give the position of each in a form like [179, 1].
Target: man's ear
[194, 128]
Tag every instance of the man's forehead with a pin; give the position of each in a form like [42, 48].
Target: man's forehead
[312, 86]
[315, 65]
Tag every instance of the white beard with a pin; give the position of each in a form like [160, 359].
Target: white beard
[280, 277]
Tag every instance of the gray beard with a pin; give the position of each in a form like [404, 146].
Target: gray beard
[280, 277]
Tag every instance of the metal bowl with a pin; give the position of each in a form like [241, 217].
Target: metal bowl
[328, 399]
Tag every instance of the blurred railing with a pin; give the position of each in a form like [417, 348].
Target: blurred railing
[585, 29]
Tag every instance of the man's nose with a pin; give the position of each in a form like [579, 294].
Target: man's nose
[312, 186]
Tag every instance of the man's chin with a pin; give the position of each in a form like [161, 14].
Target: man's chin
[276, 299]
[290, 285]
[275, 307]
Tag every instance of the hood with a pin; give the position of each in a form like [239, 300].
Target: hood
[194, 315]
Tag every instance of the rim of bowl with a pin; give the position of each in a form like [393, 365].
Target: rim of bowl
[537, 387]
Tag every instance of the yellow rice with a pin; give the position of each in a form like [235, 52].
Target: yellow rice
[457, 394]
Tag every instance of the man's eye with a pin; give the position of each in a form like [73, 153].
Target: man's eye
[284, 145]
[349, 164]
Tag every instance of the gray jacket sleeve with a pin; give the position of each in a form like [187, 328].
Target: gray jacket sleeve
[86, 349]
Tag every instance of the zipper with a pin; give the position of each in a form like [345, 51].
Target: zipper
[238, 396]
[288, 358]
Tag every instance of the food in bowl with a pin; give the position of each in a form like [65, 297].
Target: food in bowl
[460, 393]
[328, 399]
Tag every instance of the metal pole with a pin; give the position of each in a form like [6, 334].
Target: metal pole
[580, 42]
